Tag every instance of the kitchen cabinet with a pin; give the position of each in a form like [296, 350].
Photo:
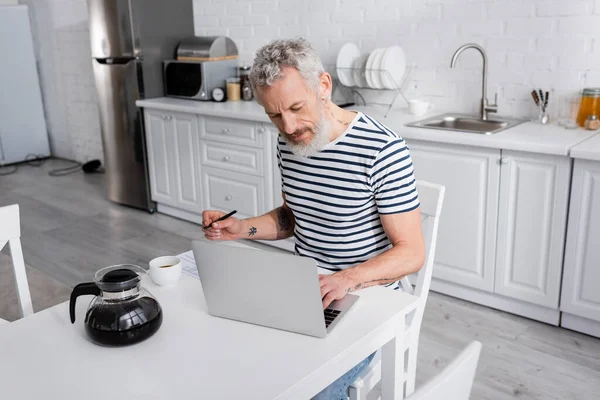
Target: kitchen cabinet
[466, 237]
[532, 217]
[502, 231]
[580, 300]
[173, 154]
[198, 163]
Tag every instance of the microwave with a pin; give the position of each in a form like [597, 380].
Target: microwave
[196, 80]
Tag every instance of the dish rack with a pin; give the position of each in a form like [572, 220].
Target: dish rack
[370, 76]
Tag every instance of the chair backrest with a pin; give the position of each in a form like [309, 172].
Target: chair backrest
[431, 197]
[10, 232]
[455, 381]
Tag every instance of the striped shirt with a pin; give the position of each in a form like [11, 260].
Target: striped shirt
[338, 195]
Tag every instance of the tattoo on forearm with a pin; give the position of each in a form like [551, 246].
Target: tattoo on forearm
[285, 219]
[376, 282]
[252, 231]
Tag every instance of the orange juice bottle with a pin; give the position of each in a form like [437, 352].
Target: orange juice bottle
[590, 105]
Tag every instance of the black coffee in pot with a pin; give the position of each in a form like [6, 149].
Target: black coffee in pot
[123, 323]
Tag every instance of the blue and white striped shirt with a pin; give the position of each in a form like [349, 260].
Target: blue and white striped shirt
[338, 195]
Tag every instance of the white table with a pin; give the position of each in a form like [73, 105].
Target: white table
[196, 356]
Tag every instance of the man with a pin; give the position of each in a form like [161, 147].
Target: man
[348, 186]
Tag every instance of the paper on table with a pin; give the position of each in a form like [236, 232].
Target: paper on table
[188, 264]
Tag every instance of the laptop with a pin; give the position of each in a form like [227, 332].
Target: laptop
[265, 288]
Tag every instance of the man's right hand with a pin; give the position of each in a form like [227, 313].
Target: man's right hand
[228, 229]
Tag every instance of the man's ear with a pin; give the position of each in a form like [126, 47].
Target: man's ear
[325, 86]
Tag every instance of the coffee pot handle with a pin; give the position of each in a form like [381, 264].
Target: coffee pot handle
[80, 290]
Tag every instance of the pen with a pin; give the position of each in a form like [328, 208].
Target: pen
[220, 219]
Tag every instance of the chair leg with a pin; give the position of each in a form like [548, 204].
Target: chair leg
[411, 368]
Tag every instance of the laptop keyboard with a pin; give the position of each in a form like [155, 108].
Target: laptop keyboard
[330, 315]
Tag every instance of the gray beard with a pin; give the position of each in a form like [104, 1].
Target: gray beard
[317, 143]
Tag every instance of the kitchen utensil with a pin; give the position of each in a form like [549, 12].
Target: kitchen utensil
[393, 66]
[536, 99]
[122, 312]
[374, 69]
[590, 105]
[345, 60]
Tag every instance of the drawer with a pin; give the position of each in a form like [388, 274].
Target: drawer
[227, 191]
[234, 131]
[248, 160]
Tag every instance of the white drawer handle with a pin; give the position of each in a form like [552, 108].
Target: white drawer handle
[225, 130]
[504, 160]
[228, 197]
[169, 117]
[261, 130]
[226, 158]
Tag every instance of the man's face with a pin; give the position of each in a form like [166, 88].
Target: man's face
[297, 112]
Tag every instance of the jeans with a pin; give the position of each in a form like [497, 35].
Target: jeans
[338, 390]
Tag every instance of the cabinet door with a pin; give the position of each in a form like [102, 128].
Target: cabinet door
[228, 191]
[277, 195]
[580, 294]
[534, 190]
[161, 149]
[186, 161]
[466, 241]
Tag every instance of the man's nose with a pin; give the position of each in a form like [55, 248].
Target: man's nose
[289, 124]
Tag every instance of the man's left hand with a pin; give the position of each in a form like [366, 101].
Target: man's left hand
[333, 287]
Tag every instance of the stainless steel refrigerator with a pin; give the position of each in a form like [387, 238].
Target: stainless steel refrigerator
[129, 41]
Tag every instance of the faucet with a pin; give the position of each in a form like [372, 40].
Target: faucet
[485, 107]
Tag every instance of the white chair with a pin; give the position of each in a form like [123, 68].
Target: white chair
[431, 197]
[10, 232]
[455, 381]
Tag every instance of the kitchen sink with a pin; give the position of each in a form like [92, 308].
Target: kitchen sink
[467, 123]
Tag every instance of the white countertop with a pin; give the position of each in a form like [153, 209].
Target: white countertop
[529, 136]
[589, 149]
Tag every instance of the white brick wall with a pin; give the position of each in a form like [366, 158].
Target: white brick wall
[553, 44]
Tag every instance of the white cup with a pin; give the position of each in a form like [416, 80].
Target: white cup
[165, 270]
[419, 107]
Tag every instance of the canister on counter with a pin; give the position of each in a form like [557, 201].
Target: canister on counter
[590, 105]
[244, 72]
[233, 89]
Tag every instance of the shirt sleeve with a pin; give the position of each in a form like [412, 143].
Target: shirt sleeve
[392, 179]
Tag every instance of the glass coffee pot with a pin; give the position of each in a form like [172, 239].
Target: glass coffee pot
[123, 312]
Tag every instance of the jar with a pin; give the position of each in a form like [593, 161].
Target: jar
[590, 105]
[592, 123]
[244, 72]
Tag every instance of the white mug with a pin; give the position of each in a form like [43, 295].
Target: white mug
[419, 107]
[166, 270]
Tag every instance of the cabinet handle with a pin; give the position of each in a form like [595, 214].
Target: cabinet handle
[169, 117]
[225, 130]
[226, 158]
[504, 160]
[228, 197]
[261, 130]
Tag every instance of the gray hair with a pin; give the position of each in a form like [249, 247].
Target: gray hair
[273, 57]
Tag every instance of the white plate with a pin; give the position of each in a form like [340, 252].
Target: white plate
[393, 66]
[358, 71]
[370, 75]
[345, 59]
[377, 70]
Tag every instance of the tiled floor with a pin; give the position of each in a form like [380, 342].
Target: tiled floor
[69, 230]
